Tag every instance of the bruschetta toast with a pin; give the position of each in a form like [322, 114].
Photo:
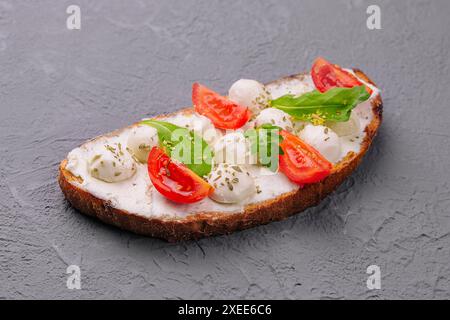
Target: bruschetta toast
[314, 128]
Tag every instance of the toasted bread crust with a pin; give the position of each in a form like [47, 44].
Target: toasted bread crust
[200, 225]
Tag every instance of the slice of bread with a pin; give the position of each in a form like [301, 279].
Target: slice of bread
[204, 224]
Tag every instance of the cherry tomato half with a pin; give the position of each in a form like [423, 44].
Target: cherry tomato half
[174, 180]
[300, 162]
[223, 113]
[326, 76]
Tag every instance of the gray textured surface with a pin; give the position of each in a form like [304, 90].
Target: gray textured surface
[134, 59]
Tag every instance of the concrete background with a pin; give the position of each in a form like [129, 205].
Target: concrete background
[139, 58]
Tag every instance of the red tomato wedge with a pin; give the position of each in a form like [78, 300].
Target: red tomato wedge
[300, 162]
[174, 180]
[326, 76]
[223, 113]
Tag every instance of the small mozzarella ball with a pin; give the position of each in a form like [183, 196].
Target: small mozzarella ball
[324, 140]
[201, 125]
[232, 183]
[350, 127]
[234, 148]
[251, 94]
[205, 128]
[141, 140]
[112, 164]
[274, 117]
[298, 125]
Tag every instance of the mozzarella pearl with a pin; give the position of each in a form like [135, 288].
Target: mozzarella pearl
[251, 94]
[141, 140]
[275, 117]
[232, 183]
[234, 148]
[112, 164]
[298, 125]
[350, 127]
[324, 140]
[201, 125]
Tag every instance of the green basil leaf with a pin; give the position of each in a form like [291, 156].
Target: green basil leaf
[183, 145]
[332, 105]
